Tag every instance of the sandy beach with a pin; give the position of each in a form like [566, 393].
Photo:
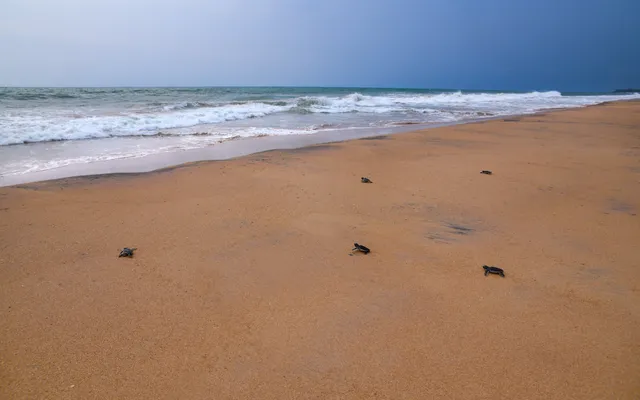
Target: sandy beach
[243, 285]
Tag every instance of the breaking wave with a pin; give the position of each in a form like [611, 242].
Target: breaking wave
[66, 120]
[40, 128]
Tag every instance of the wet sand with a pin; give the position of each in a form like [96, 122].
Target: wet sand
[243, 286]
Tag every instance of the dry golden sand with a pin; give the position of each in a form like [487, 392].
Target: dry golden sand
[243, 287]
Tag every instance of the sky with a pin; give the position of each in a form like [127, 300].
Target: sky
[569, 45]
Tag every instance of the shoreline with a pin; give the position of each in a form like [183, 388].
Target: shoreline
[243, 284]
[233, 149]
[226, 150]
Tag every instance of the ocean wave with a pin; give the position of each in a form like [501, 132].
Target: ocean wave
[29, 128]
[132, 148]
[25, 96]
[357, 102]
[154, 116]
[460, 104]
[187, 105]
[275, 103]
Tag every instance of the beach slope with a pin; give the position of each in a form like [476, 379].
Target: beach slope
[243, 285]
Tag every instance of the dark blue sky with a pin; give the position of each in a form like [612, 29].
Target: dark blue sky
[570, 45]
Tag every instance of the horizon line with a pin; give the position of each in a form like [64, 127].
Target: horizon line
[304, 87]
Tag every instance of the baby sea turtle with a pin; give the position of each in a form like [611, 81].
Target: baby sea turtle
[365, 180]
[493, 270]
[127, 252]
[486, 172]
[359, 247]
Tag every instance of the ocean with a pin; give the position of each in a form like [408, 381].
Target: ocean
[47, 128]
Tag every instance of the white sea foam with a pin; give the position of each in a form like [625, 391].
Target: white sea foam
[134, 123]
[195, 124]
[62, 154]
[27, 125]
[54, 125]
[497, 103]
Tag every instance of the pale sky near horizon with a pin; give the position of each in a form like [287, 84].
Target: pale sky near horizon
[571, 45]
